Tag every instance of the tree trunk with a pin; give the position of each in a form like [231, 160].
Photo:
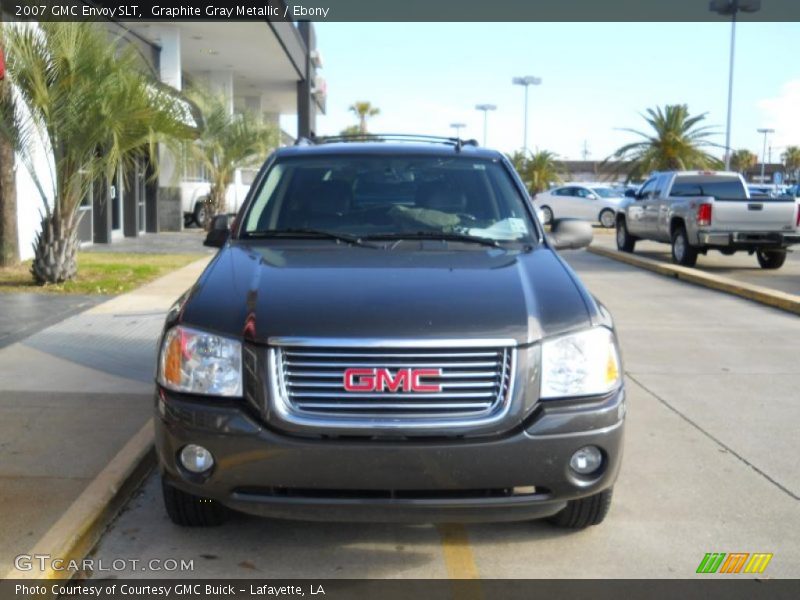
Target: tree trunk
[9, 239]
[55, 251]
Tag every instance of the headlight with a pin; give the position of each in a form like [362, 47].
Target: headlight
[581, 364]
[196, 362]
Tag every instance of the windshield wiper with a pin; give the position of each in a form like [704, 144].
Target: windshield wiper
[436, 235]
[301, 232]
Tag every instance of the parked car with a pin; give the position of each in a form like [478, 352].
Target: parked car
[698, 211]
[596, 203]
[387, 333]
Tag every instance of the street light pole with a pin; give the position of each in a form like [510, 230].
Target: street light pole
[526, 81]
[731, 7]
[485, 108]
[766, 132]
[457, 127]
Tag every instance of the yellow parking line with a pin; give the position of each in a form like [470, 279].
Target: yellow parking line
[458, 558]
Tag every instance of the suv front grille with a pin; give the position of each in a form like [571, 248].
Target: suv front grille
[379, 384]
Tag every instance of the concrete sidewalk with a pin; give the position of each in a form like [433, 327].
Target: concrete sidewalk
[71, 396]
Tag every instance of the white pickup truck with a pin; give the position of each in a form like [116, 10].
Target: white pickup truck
[697, 211]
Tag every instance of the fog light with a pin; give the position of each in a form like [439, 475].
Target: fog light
[196, 459]
[587, 460]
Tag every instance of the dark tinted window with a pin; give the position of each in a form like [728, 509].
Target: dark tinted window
[730, 187]
[376, 195]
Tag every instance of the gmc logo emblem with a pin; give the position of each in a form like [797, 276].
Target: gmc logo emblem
[382, 380]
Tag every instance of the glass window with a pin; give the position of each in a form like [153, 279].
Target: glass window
[647, 189]
[390, 195]
[703, 185]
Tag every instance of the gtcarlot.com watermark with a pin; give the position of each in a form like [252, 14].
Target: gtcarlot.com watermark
[46, 562]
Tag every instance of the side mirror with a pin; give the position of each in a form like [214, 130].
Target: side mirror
[630, 193]
[570, 234]
[219, 232]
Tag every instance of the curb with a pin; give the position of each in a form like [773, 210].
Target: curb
[77, 531]
[756, 293]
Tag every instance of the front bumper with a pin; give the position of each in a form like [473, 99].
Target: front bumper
[268, 473]
[748, 240]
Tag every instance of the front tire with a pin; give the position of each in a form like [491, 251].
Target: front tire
[682, 252]
[200, 214]
[188, 510]
[584, 512]
[771, 259]
[625, 241]
[607, 218]
[548, 215]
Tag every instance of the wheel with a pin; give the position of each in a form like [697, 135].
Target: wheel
[625, 241]
[548, 214]
[607, 218]
[200, 214]
[584, 512]
[771, 259]
[727, 251]
[682, 253]
[188, 510]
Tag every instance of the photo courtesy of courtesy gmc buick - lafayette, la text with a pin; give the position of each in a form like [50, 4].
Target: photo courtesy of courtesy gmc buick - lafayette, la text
[387, 333]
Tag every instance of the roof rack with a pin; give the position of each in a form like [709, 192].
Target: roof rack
[457, 143]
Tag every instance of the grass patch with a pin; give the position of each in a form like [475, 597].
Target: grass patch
[99, 273]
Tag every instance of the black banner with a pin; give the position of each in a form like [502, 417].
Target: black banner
[400, 10]
[705, 587]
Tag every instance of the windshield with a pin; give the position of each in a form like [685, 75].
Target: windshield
[364, 196]
[606, 192]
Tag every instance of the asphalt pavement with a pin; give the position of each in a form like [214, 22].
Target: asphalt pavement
[710, 466]
[740, 267]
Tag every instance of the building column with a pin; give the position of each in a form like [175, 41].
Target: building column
[167, 204]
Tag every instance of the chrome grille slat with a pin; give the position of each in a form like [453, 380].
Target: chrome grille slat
[337, 385]
[474, 382]
[396, 365]
[396, 406]
[389, 395]
[291, 353]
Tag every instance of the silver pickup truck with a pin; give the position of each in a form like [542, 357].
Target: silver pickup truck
[697, 211]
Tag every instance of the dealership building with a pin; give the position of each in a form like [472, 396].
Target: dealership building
[270, 68]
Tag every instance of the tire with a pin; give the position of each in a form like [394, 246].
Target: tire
[548, 215]
[727, 251]
[607, 218]
[771, 259]
[188, 220]
[200, 214]
[188, 510]
[584, 512]
[682, 253]
[625, 241]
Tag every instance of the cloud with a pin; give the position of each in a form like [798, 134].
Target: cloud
[782, 113]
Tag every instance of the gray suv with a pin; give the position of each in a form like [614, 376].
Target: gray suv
[388, 333]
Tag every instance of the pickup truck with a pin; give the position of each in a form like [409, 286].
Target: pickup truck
[698, 211]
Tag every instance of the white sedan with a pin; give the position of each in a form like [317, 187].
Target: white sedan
[589, 202]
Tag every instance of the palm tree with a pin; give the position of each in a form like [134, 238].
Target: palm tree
[85, 100]
[791, 160]
[676, 142]
[227, 142]
[743, 160]
[363, 110]
[538, 170]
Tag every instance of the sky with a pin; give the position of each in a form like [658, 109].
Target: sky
[597, 78]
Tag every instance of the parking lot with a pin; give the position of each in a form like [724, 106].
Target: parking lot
[740, 267]
[710, 466]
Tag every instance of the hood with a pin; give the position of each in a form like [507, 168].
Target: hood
[325, 290]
